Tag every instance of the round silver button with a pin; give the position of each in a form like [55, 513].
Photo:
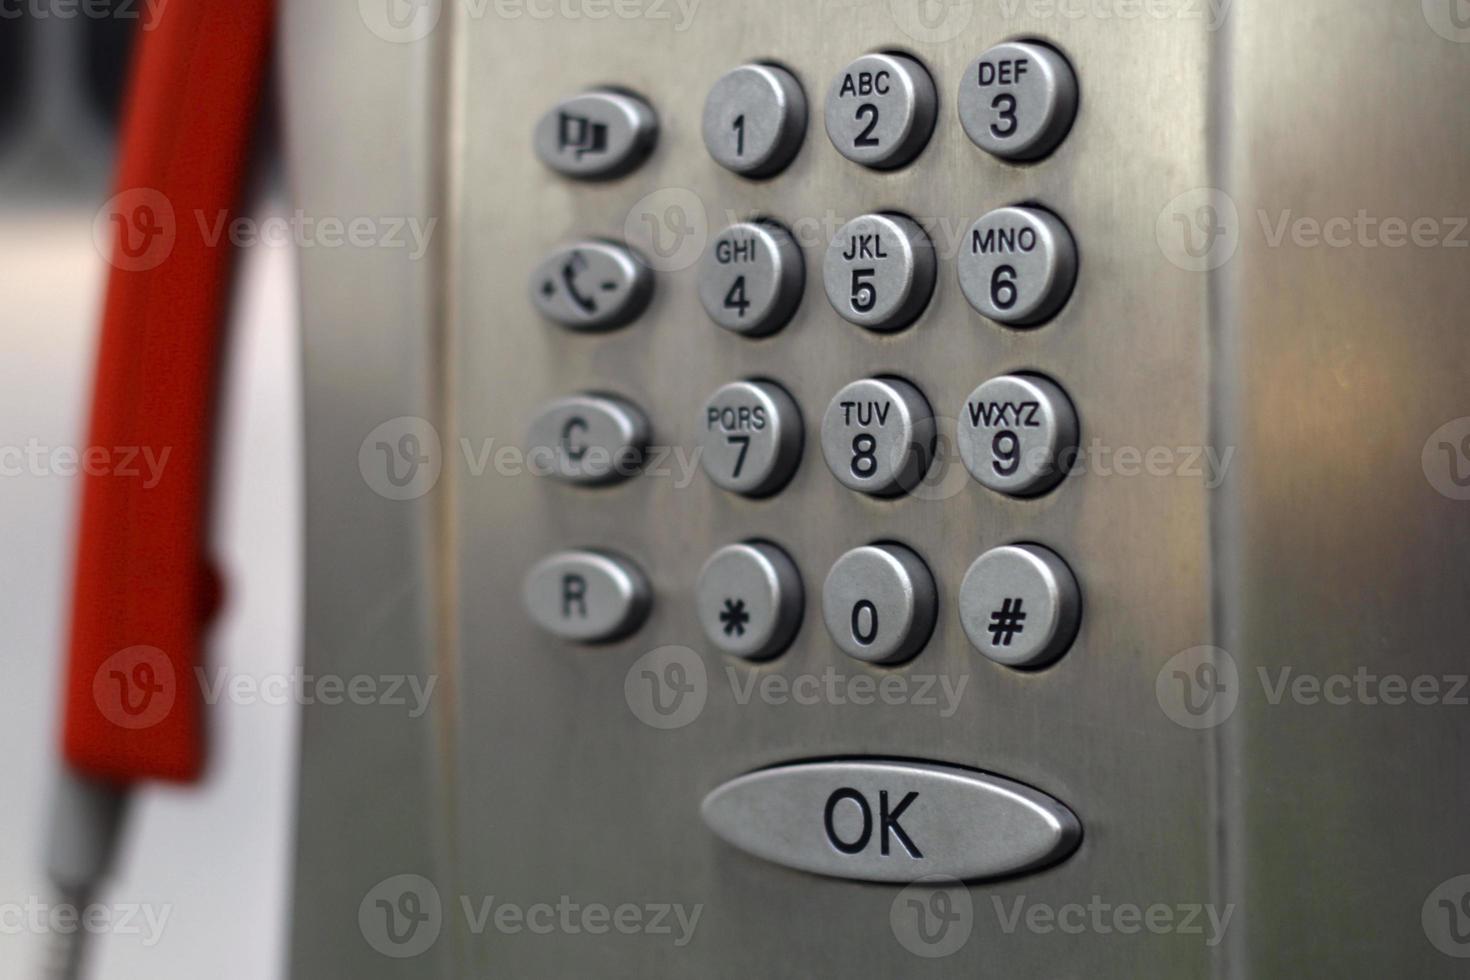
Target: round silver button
[879, 271]
[1017, 266]
[592, 285]
[596, 134]
[878, 436]
[1017, 100]
[755, 120]
[749, 599]
[1020, 605]
[1018, 434]
[881, 110]
[587, 596]
[751, 278]
[879, 603]
[750, 437]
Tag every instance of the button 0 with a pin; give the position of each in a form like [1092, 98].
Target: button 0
[587, 596]
[596, 134]
[879, 603]
[755, 120]
[881, 110]
[749, 600]
[588, 439]
[1018, 266]
[878, 436]
[751, 278]
[879, 271]
[1017, 100]
[751, 437]
[592, 285]
[871, 820]
[1020, 605]
[1018, 434]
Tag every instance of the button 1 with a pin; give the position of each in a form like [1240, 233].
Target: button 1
[587, 596]
[879, 271]
[596, 134]
[1018, 434]
[879, 603]
[1020, 605]
[749, 600]
[592, 285]
[1017, 100]
[1018, 266]
[588, 439]
[755, 120]
[897, 822]
[751, 278]
[750, 437]
[881, 110]
[878, 436]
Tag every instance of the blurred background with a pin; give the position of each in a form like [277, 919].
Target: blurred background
[213, 858]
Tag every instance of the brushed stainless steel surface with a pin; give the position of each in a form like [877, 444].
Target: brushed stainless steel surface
[574, 785]
[895, 822]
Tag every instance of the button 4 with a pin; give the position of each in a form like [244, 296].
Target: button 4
[751, 278]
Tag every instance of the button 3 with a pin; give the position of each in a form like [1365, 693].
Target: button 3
[1017, 100]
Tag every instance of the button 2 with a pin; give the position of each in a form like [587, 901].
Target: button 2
[592, 285]
[751, 278]
[588, 439]
[1018, 434]
[879, 603]
[881, 110]
[1017, 100]
[751, 437]
[878, 436]
[596, 135]
[749, 600]
[1017, 266]
[879, 271]
[896, 822]
[587, 596]
[755, 119]
[1020, 605]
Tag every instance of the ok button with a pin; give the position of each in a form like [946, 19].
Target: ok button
[848, 820]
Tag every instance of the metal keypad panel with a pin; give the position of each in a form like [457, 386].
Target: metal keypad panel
[963, 430]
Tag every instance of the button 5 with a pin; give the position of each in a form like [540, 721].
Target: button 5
[880, 271]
